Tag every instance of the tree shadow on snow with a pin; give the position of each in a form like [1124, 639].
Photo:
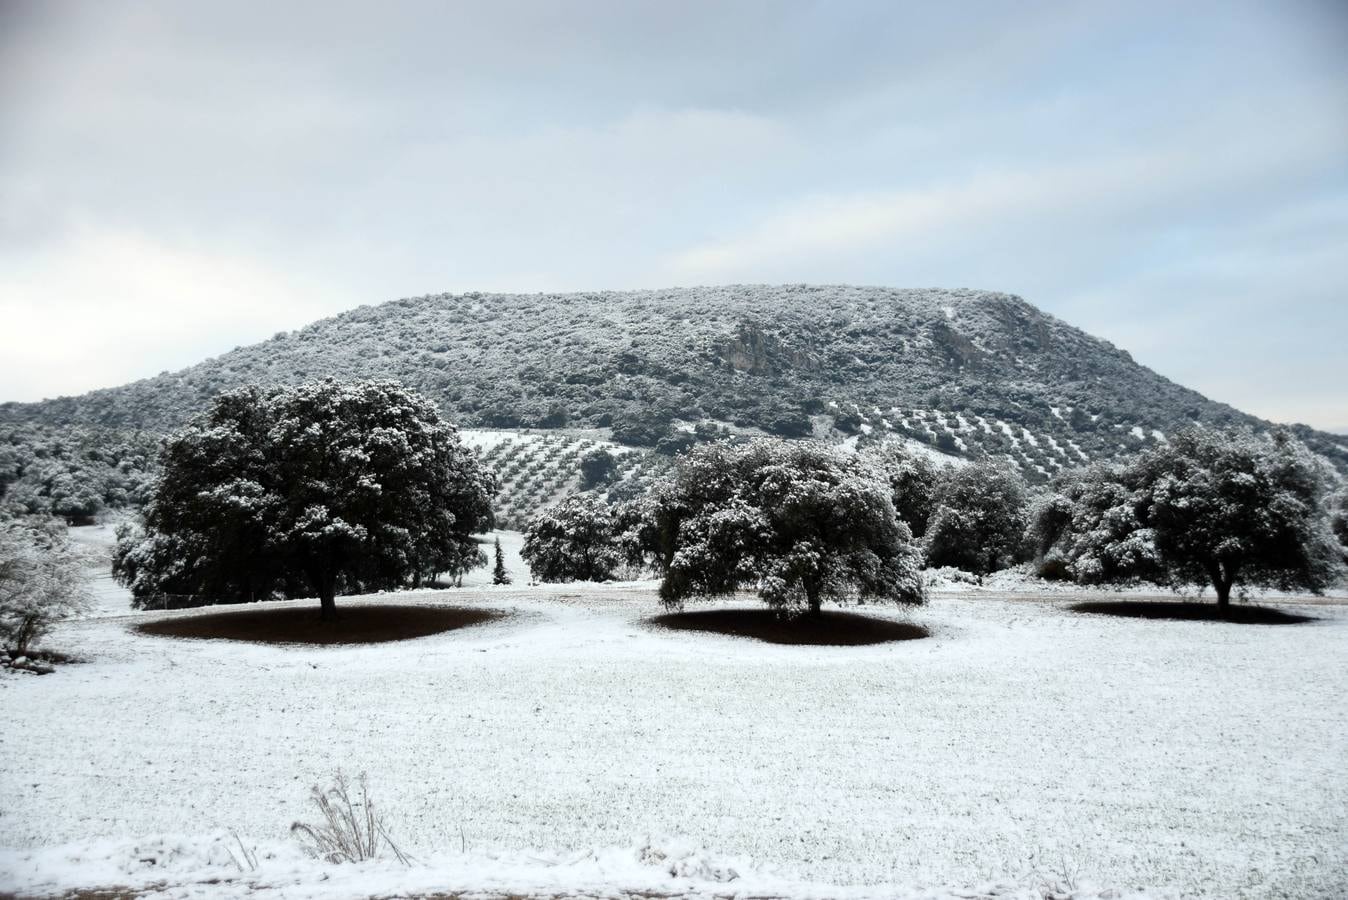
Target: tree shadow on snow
[1191, 612]
[830, 629]
[373, 624]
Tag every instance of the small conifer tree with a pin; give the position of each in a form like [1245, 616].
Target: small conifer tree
[499, 574]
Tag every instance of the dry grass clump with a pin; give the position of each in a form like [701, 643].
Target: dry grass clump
[351, 830]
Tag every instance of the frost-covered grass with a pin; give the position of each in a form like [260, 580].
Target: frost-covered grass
[1203, 757]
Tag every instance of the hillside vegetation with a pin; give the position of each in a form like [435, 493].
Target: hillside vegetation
[968, 372]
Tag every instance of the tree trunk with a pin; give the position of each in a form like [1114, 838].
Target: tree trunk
[1222, 579]
[328, 605]
[816, 605]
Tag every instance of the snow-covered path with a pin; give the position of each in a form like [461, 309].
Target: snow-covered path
[1208, 757]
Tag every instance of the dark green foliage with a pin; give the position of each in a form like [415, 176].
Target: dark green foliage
[326, 488]
[576, 540]
[598, 467]
[848, 420]
[913, 480]
[676, 442]
[799, 521]
[1223, 508]
[74, 472]
[979, 519]
[642, 428]
[1338, 521]
[499, 575]
[1089, 529]
[790, 424]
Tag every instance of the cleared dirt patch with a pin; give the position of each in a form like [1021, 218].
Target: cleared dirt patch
[372, 624]
[1192, 612]
[835, 629]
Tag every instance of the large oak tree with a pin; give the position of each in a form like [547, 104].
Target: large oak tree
[800, 522]
[1228, 509]
[326, 488]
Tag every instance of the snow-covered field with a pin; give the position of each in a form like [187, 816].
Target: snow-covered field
[1020, 743]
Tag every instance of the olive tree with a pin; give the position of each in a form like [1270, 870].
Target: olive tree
[800, 522]
[325, 488]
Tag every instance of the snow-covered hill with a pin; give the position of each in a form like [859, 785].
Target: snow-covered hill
[970, 371]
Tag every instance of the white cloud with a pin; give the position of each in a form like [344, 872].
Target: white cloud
[1043, 199]
[100, 307]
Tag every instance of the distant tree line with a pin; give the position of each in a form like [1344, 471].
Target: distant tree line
[803, 523]
[73, 472]
[338, 487]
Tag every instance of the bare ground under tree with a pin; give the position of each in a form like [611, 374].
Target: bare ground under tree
[363, 624]
[1191, 612]
[830, 628]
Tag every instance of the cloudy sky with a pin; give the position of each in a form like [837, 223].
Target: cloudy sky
[180, 178]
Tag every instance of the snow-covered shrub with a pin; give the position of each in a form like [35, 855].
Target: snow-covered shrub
[799, 521]
[351, 830]
[576, 540]
[948, 576]
[1049, 515]
[41, 582]
[979, 519]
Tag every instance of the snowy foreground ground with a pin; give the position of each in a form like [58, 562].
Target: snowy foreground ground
[1020, 746]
